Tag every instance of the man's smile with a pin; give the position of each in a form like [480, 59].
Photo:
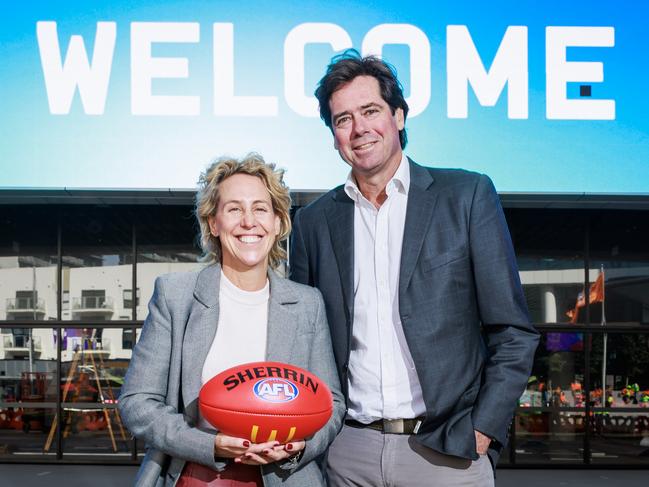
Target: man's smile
[364, 147]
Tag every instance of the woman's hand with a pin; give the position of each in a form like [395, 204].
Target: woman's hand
[230, 447]
[271, 454]
[243, 451]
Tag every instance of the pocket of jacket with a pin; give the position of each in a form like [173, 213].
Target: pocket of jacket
[445, 258]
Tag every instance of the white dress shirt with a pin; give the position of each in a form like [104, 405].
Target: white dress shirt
[241, 332]
[383, 382]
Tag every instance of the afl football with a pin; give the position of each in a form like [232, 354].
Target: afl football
[266, 401]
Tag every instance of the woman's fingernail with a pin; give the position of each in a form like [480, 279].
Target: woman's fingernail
[246, 443]
[289, 446]
[237, 460]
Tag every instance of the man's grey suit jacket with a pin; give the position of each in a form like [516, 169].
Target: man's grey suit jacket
[461, 303]
[159, 399]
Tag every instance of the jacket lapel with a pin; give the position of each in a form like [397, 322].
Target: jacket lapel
[281, 321]
[203, 321]
[340, 220]
[422, 198]
[199, 334]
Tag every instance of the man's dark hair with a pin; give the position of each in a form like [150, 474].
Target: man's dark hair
[347, 66]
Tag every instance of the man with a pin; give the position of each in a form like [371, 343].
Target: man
[429, 323]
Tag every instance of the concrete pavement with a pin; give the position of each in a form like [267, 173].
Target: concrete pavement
[22, 475]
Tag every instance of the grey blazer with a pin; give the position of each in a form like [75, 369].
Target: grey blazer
[159, 399]
[461, 303]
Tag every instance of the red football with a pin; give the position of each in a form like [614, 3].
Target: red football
[266, 401]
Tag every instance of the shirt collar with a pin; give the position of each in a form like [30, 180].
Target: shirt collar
[399, 182]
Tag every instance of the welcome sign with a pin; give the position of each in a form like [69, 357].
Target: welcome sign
[116, 95]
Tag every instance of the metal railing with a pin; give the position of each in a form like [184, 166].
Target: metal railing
[92, 302]
[20, 341]
[25, 304]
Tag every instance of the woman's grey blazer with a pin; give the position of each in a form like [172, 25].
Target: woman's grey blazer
[159, 399]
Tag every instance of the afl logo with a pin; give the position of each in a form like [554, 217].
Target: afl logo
[275, 390]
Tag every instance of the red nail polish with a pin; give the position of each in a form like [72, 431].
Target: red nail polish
[289, 446]
[246, 443]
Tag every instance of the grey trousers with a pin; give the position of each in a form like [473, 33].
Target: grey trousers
[366, 457]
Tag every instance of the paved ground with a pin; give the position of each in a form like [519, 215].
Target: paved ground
[572, 478]
[110, 476]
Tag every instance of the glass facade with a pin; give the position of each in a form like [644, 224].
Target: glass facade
[585, 278]
[64, 354]
[74, 291]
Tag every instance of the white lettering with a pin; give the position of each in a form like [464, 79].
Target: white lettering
[559, 72]
[225, 101]
[144, 67]
[463, 66]
[275, 389]
[63, 74]
[419, 47]
[296, 40]
[62, 79]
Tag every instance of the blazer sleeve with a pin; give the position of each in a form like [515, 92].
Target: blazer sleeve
[299, 270]
[321, 363]
[510, 338]
[142, 403]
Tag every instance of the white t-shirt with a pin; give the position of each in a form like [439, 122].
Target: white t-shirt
[241, 332]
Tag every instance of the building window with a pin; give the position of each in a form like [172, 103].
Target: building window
[26, 299]
[128, 339]
[128, 298]
[93, 298]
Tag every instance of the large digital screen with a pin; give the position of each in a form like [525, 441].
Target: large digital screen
[542, 96]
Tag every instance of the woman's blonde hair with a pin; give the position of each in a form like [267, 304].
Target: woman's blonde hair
[207, 200]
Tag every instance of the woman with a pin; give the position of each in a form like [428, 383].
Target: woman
[236, 310]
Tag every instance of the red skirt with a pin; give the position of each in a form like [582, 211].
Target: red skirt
[234, 475]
